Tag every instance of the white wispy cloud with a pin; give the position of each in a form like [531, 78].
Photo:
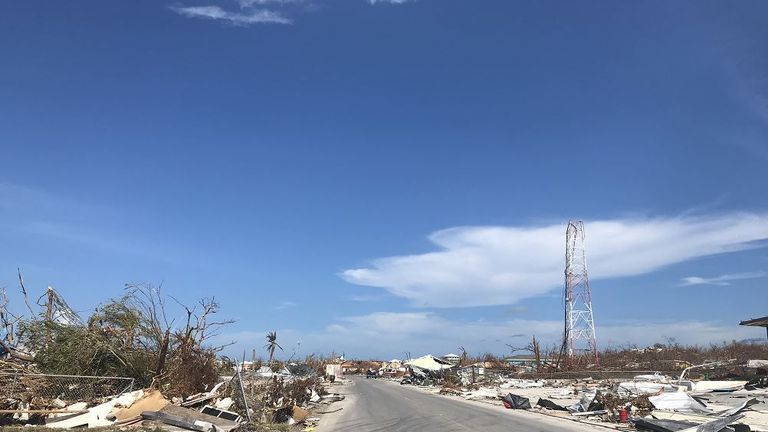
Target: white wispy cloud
[493, 265]
[723, 280]
[252, 3]
[427, 332]
[285, 305]
[254, 11]
[242, 17]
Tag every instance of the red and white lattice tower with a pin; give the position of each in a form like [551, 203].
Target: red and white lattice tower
[579, 336]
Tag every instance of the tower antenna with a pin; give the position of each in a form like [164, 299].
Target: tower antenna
[579, 335]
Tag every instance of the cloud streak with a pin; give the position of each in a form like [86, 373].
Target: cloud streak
[495, 265]
[244, 17]
[723, 280]
[255, 11]
[251, 3]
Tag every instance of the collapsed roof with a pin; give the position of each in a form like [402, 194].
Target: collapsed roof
[429, 362]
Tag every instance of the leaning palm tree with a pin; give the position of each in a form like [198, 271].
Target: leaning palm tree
[272, 345]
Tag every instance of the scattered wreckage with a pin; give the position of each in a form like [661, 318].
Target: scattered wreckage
[127, 366]
[28, 400]
[646, 401]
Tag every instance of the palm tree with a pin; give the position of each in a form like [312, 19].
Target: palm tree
[272, 344]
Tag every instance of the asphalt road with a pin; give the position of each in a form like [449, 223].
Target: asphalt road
[374, 405]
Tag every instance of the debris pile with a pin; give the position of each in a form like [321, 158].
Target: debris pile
[645, 401]
[130, 364]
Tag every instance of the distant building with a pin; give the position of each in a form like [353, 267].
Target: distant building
[452, 358]
[245, 366]
[350, 367]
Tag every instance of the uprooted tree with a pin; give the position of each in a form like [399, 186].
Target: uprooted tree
[133, 336]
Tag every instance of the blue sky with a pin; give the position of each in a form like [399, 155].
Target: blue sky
[390, 176]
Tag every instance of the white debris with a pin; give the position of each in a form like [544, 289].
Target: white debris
[99, 415]
[562, 394]
[754, 364]
[225, 404]
[521, 383]
[655, 377]
[482, 393]
[678, 401]
[315, 397]
[643, 387]
[709, 386]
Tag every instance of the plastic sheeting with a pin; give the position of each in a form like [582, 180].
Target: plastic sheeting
[514, 401]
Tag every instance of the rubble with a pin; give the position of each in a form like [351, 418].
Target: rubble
[678, 401]
[548, 404]
[126, 365]
[656, 425]
[521, 383]
[191, 419]
[202, 412]
[429, 363]
[644, 388]
[645, 401]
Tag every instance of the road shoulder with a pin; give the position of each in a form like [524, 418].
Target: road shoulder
[330, 420]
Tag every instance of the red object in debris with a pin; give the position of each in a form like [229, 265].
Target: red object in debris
[623, 417]
[506, 404]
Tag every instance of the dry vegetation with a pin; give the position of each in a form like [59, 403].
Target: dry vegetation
[667, 357]
[675, 355]
[128, 337]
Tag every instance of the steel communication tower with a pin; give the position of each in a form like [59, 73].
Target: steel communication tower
[579, 335]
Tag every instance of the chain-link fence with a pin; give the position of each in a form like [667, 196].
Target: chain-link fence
[67, 388]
